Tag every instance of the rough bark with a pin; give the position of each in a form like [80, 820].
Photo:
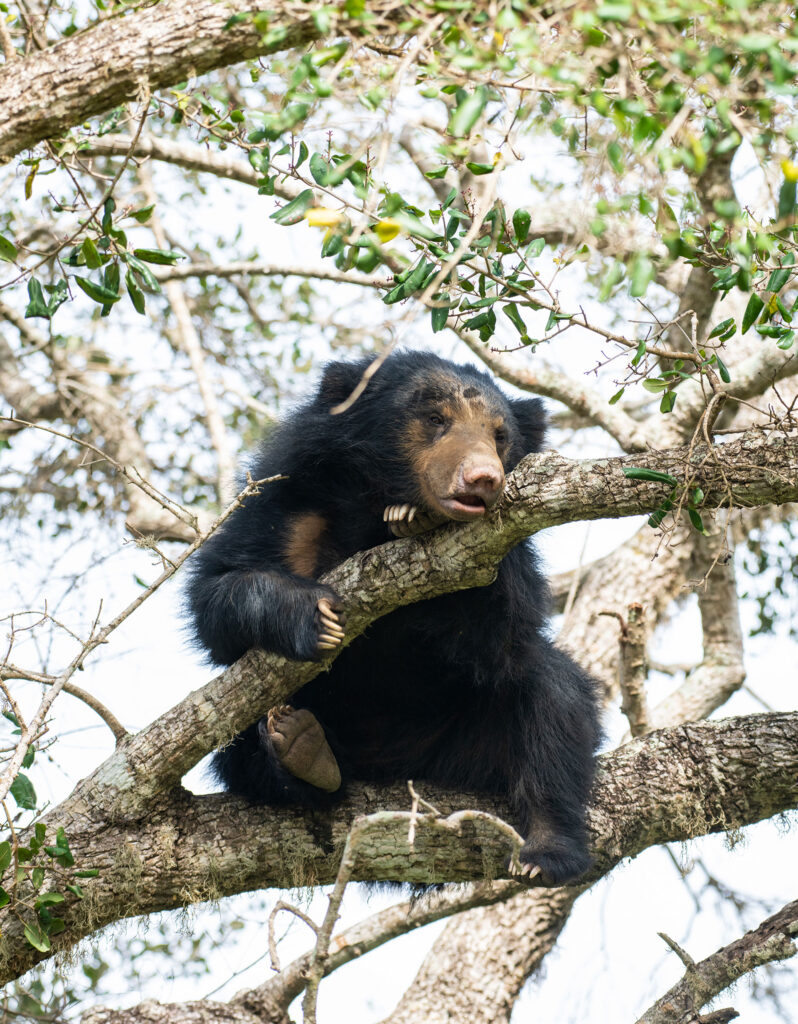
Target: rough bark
[107, 64]
[670, 786]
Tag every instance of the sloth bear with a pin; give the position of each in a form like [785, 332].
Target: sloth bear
[465, 690]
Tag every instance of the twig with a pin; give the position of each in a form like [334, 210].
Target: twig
[100, 636]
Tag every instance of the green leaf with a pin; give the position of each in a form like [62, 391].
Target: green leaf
[437, 172]
[37, 877]
[49, 899]
[90, 255]
[163, 257]
[30, 753]
[396, 294]
[642, 276]
[654, 475]
[668, 401]
[657, 516]
[333, 243]
[615, 157]
[778, 279]
[521, 223]
[4, 897]
[303, 155]
[77, 891]
[696, 520]
[722, 327]
[786, 198]
[413, 226]
[23, 792]
[513, 314]
[8, 251]
[5, 855]
[294, 211]
[36, 304]
[37, 938]
[723, 370]
[467, 112]
[480, 168]
[535, 248]
[143, 214]
[95, 291]
[617, 396]
[87, 873]
[319, 168]
[135, 293]
[148, 280]
[613, 276]
[450, 198]
[752, 311]
[439, 314]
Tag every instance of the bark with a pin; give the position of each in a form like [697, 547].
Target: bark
[670, 786]
[772, 940]
[454, 985]
[107, 64]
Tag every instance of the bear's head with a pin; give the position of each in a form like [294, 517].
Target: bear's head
[460, 436]
[448, 432]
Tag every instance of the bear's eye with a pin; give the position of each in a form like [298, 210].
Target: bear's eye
[437, 419]
[501, 435]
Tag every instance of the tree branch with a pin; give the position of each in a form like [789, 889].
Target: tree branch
[772, 940]
[670, 786]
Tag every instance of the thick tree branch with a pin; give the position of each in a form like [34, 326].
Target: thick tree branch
[670, 786]
[543, 491]
[48, 92]
[773, 940]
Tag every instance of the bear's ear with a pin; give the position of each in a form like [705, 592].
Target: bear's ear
[339, 381]
[531, 420]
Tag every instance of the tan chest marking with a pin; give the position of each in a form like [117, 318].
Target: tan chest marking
[303, 544]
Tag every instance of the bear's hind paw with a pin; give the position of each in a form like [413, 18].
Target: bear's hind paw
[298, 740]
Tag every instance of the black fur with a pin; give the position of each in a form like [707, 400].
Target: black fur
[465, 690]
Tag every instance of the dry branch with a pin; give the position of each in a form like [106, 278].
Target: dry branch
[773, 940]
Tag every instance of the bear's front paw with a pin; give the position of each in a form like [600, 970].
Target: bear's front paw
[409, 520]
[312, 625]
[330, 616]
[556, 859]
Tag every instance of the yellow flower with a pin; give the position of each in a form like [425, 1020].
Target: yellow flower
[790, 170]
[387, 229]
[321, 217]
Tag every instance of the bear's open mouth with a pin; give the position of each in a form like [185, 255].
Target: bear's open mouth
[463, 506]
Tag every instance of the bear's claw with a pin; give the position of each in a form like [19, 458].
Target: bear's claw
[408, 520]
[331, 625]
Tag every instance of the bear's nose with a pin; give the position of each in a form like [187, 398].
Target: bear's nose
[483, 480]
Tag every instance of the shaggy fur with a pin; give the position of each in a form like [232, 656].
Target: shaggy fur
[465, 690]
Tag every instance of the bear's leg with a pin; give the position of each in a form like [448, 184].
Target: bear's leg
[299, 742]
[559, 736]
